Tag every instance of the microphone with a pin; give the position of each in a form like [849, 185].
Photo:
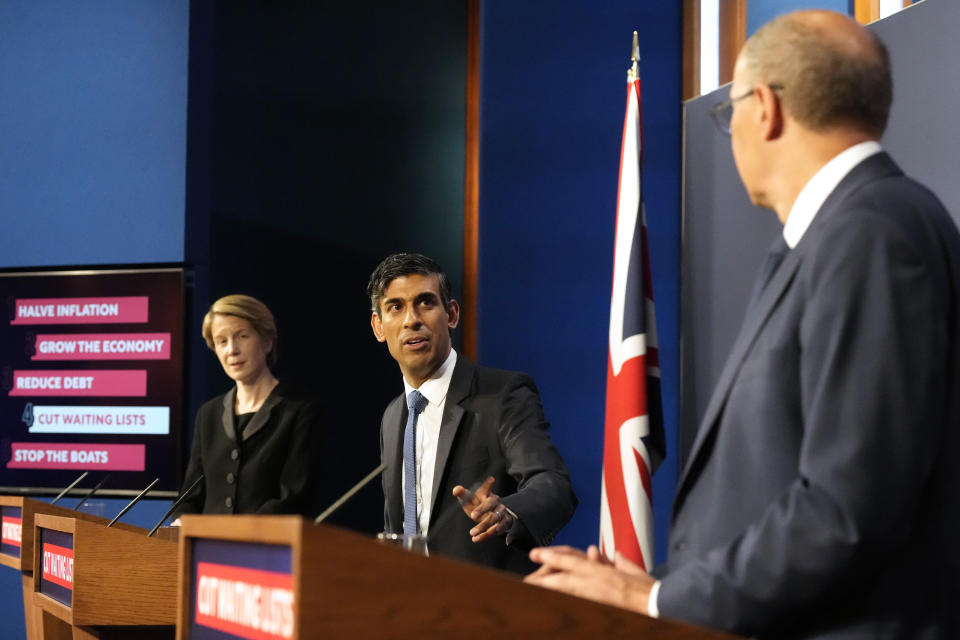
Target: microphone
[91, 492]
[176, 504]
[134, 501]
[71, 486]
[349, 494]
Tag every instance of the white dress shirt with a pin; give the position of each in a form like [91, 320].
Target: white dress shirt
[801, 216]
[428, 434]
[821, 185]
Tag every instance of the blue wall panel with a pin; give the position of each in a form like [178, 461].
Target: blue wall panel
[553, 92]
[93, 124]
[759, 12]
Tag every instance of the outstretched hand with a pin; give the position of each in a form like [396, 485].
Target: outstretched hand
[590, 575]
[485, 508]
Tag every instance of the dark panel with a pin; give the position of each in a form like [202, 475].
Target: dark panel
[724, 240]
[336, 137]
[924, 128]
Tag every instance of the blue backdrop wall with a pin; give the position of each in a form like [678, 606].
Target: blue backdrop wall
[93, 123]
[553, 94]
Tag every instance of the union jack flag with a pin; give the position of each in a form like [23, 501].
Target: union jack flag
[633, 432]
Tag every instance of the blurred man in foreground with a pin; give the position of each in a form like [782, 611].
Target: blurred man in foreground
[820, 498]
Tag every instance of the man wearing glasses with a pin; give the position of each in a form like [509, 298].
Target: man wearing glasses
[821, 498]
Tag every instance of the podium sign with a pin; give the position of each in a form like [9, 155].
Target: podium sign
[94, 581]
[17, 517]
[56, 577]
[11, 521]
[241, 589]
[282, 577]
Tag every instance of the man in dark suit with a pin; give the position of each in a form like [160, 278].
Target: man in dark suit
[820, 498]
[469, 462]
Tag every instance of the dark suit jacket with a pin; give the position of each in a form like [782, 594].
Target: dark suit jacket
[820, 498]
[493, 425]
[271, 468]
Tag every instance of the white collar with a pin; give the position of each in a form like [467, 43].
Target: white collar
[821, 185]
[435, 389]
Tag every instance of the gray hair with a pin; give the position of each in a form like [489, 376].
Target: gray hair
[827, 80]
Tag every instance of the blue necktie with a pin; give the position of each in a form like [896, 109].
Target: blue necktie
[416, 402]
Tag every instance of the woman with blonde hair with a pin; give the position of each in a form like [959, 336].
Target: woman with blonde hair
[255, 445]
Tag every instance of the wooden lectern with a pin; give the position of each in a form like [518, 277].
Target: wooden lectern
[17, 515]
[93, 581]
[284, 577]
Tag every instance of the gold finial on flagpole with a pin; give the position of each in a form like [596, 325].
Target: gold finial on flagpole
[632, 72]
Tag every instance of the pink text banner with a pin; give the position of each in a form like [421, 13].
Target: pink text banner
[81, 310]
[102, 346]
[69, 455]
[126, 383]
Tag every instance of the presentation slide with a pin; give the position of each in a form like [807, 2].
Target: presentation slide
[91, 378]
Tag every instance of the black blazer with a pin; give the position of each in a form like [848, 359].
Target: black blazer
[821, 496]
[271, 468]
[492, 424]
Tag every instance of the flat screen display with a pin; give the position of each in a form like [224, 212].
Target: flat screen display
[91, 379]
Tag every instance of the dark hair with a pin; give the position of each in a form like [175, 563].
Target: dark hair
[827, 80]
[398, 265]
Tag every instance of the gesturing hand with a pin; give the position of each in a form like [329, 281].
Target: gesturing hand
[485, 508]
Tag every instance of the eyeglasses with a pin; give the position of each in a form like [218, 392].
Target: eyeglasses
[723, 112]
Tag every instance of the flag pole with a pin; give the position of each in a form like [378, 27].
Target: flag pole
[633, 422]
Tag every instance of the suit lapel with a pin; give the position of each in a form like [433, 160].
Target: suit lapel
[874, 167]
[393, 422]
[262, 415]
[461, 386]
[753, 323]
[226, 418]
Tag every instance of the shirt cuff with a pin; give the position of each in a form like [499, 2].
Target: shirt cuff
[514, 532]
[652, 609]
